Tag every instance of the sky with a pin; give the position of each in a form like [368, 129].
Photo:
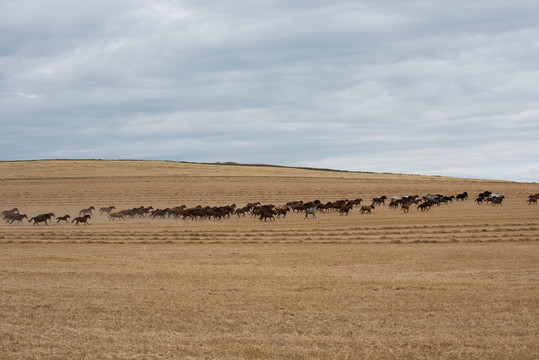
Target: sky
[444, 87]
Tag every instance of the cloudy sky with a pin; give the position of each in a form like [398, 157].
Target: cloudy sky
[423, 87]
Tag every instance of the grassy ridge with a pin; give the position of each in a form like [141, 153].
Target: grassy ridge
[71, 168]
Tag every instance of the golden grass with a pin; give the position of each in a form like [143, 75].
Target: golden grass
[457, 282]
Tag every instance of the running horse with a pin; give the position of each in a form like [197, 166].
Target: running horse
[106, 209]
[310, 211]
[82, 219]
[62, 218]
[366, 209]
[17, 217]
[6, 214]
[42, 218]
[379, 200]
[86, 211]
[116, 215]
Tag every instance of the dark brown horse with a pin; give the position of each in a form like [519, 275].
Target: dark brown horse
[17, 217]
[82, 219]
[425, 206]
[344, 209]
[242, 211]
[6, 214]
[42, 218]
[62, 218]
[266, 214]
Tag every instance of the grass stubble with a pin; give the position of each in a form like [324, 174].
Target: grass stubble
[458, 282]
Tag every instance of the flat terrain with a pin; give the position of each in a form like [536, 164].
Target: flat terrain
[458, 281]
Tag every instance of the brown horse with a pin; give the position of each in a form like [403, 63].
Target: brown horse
[379, 200]
[405, 207]
[253, 205]
[366, 209]
[6, 214]
[17, 217]
[42, 218]
[267, 214]
[496, 201]
[242, 211]
[116, 215]
[344, 209]
[62, 218]
[532, 199]
[82, 219]
[425, 206]
[283, 210]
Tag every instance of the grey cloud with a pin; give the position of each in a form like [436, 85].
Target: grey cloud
[364, 85]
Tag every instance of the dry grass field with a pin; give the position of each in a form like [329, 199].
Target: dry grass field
[457, 282]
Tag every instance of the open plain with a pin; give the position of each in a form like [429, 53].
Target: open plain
[457, 281]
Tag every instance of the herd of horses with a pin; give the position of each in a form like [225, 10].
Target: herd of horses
[262, 212]
[13, 217]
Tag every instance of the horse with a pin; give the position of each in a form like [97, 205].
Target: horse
[379, 200]
[42, 218]
[82, 219]
[116, 215]
[159, 213]
[310, 211]
[424, 206]
[366, 209]
[393, 204]
[344, 209]
[241, 211]
[496, 200]
[252, 205]
[86, 211]
[266, 214]
[142, 211]
[405, 207]
[106, 209]
[282, 210]
[6, 214]
[462, 196]
[62, 218]
[532, 199]
[17, 217]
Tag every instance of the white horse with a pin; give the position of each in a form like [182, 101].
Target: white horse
[310, 211]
